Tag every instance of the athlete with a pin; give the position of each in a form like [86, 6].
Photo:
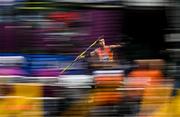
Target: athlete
[104, 53]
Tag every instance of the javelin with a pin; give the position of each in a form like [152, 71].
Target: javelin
[80, 55]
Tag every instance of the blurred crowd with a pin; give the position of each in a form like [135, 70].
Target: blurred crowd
[89, 58]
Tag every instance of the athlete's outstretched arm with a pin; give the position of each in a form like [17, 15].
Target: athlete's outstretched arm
[115, 46]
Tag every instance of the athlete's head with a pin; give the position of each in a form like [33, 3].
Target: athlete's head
[101, 42]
